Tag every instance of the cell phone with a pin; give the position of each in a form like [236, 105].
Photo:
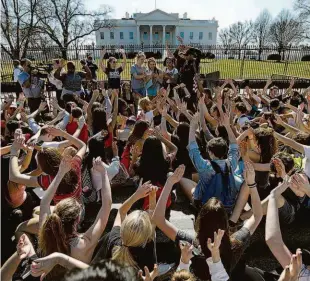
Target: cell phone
[195, 251]
[39, 143]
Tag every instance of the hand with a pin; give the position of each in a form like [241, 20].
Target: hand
[102, 52]
[42, 106]
[19, 141]
[81, 122]
[41, 267]
[183, 106]
[249, 173]
[21, 97]
[243, 147]
[278, 119]
[96, 94]
[292, 82]
[195, 120]
[114, 148]
[280, 168]
[136, 151]
[122, 51]
[98, 165]
[149, 132]
[65, 164]
[177, 175]
[215, 246]
[149, 276]
[224, 120]
[56, 132]
[143, 189]
[292, 271]
[24, 247]
[300, 182]
[23, 117]
[186, 251]
[280, 188]
[269, 81]
[182, 85]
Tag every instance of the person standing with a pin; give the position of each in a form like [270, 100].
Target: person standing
[32, 85]
[17, 70]
[92, 66]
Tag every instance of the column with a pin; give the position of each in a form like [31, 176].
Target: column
[164, 35]
[151, 34]
[176, 34]
[138, 34]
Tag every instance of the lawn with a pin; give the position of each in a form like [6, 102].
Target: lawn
[236, 69]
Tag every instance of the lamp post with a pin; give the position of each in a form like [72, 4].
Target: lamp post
[93, 44]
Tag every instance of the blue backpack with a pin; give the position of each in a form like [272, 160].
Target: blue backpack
[222, 186]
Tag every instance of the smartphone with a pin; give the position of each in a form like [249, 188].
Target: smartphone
[195, 251]
[39, 143]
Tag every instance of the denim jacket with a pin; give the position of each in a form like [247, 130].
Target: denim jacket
[205, 170]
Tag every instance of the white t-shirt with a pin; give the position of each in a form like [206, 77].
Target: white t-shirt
[242, 120]
[149, 116]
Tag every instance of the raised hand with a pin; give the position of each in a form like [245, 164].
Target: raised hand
[177, 175]
[249, 173]
[216, 242]
[42, 106]
[300, 184]
[280, 168]
[186, 251]
[195, 120]
[144, 189]
[292, 271]
[98, 165]
[102, 52]
[65, 164]
[278, 119]
[41, 267]
[136, 151]
[56, 132]
[24, 247]
[149, 276]
[225, 120]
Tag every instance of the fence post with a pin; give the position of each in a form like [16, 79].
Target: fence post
[241, 68]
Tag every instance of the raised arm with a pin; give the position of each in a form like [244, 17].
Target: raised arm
[163, 124]
[287, 141]
[93, 234]
[45, 208]
[142, 191]
[172, 148]
[115, 110]
[273, 235]
[159, 214]
[268, 83]
[101, 64]
[252, 223]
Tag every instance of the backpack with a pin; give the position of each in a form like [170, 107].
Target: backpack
[222, 186]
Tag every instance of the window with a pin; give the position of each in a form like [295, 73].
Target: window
[167, 35]
[191, 35]
[210, 35]
[111, 35]
[121, 35]
[200, 35]
[156, 36]
[182, 35]
[102, 35]
[131, 35]
[145, 35]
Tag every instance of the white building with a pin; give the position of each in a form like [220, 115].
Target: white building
[158, 27]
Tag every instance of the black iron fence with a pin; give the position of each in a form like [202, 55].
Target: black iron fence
[250, 62]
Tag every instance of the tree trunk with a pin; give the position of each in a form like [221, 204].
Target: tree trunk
[64, 53]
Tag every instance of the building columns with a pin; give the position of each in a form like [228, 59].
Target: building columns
[151, 34]
[176, 34]
[138, 34]
[164, 35]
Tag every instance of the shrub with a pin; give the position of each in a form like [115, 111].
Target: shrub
[274, 57]
[305, 58]
[209, 55]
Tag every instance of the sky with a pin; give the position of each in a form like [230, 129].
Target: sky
[225, 11]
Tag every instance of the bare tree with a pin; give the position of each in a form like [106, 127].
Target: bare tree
[59, 19]
[286, 30]
[18, 24]
[261, 30]
[241, 34]
[303, 9]
[225, 39]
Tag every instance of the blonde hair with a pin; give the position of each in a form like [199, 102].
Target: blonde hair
[136, 231]
[183, 275]
[144, 102]
[140, 55]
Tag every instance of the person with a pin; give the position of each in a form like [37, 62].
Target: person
[112, 71]
[17, 70]
[92, 67]
[155, 81]
[170, 73]
[138, 76]
[211, 217]
[241, 117]
[72, 79]
[214, 175]
[127, 96]
[58, 229]
[32, 86]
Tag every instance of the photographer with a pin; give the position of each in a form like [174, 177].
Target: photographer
[32, 85]
[72, 79]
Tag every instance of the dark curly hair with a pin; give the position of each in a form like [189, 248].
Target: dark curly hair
[266, 142]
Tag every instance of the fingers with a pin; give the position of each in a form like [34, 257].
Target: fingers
[147, 272]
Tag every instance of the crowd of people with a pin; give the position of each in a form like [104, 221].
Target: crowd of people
[237, 155]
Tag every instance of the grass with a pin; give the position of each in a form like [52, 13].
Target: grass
[236, 69]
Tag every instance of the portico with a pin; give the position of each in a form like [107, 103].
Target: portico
[157, 34]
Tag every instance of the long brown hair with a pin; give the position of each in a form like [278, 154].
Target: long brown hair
[49, 160]
[212, 217]
[58, 228]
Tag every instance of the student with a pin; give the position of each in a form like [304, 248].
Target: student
[92, 67]
[112, 71]
[138, 76]
[155, 81]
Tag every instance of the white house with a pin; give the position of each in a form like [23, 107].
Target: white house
[158, 27]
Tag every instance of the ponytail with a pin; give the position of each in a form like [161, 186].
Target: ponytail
[122, 255]
[52, 237]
